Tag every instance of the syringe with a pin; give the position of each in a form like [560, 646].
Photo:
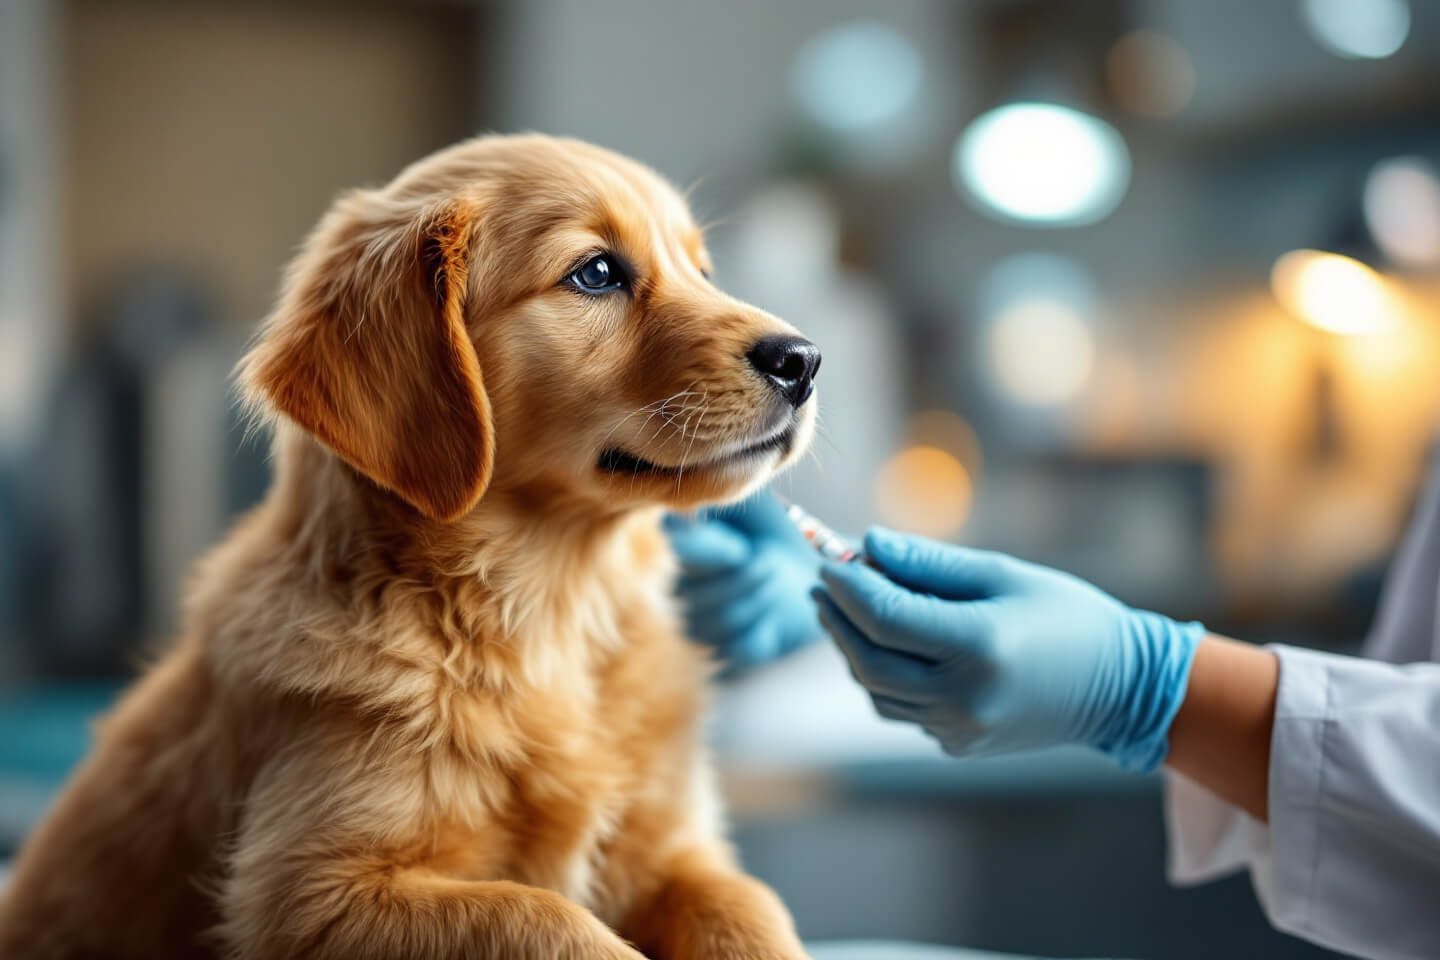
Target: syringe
[826, 542]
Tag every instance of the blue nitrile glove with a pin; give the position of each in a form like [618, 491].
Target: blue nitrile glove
[746, 577]
[990, 654]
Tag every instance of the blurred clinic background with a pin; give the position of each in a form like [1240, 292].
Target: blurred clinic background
[1143, 289]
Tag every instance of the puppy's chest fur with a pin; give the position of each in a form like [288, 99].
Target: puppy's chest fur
[545, 784]
[544, 818]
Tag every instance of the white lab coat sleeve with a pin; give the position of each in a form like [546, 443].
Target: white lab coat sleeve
[1405, 623]
[1351, 857]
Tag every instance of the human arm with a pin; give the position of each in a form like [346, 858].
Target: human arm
[1220, 737]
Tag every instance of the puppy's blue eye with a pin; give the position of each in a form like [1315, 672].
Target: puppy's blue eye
[598, 275]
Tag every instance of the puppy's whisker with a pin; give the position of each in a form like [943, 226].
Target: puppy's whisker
[813, 454]
[647, 408]
[699, 417]
[671, 420]
[624, 420]
[660, 407]
[657, 412]
[822, 432]
[665, 419]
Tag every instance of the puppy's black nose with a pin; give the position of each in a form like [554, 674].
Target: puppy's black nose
[789, 363]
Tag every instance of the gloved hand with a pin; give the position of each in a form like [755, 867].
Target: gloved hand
[990, 654]
[746, 576]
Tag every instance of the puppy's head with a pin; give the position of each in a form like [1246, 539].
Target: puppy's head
[535, 315]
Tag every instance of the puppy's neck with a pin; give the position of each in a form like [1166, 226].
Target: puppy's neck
[525, 571]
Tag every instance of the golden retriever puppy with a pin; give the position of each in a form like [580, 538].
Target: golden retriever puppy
[431, 698]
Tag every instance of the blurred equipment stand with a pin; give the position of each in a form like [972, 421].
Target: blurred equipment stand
[93, 502]
[30, 298]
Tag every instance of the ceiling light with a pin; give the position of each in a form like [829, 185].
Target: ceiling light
[1042, 163]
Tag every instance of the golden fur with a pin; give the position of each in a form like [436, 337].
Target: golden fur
[430, 698]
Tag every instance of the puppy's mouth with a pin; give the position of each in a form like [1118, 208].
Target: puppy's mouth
[616, 460]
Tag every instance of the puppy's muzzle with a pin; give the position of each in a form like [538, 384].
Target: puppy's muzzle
[789, 364]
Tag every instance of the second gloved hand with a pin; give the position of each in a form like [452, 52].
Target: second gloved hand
[990, 654]
[746, 577]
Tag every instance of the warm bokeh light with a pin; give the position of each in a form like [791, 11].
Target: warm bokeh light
[1333, 292]
[1149, 73]
[1042, 163]
[856, 76]
[1402, 210]
[949, 432]
[1367, 29]
[924, 490]
[1241, 385]
[1041, 352]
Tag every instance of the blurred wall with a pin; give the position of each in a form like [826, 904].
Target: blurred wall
[212, 135]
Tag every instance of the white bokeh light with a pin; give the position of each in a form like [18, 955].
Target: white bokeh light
[1402, 210]
[1042, 352]
[1366, 29]
[856, 76]
[1039, 345]
[1042, 163]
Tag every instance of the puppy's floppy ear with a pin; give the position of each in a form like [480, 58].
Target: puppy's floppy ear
[368, 351]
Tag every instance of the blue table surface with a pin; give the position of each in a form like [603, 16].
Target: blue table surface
[45, 730]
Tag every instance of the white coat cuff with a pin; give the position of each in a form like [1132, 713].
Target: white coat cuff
[1284, 868]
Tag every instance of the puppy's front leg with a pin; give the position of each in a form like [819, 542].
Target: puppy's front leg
[355, 911]
[704, 908]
